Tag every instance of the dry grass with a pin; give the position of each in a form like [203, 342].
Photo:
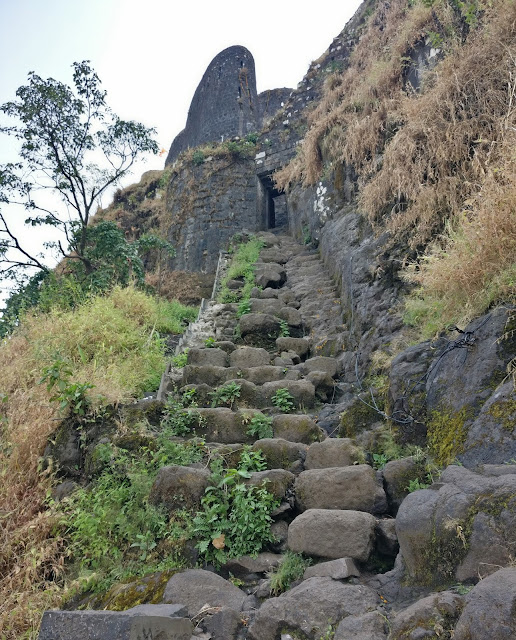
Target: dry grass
[31, 558]
[473, 266]
[108, 342]
[435, 168]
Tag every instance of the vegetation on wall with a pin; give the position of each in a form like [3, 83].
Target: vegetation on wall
[435, 166]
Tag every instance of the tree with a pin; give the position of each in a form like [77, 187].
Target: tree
[73, 145]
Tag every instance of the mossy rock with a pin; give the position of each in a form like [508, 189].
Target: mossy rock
[356, 418]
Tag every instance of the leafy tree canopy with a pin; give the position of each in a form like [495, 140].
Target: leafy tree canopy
[72, 144]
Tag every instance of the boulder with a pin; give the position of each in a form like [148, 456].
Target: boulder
[339, 569]
[272, 306]
[325, 533]
[301, 346]
[259, 323]
[143, 621]
[196, 588]
[491, 437]
[224, 624]
[429, 617]
[216, 357]
[221, 424]
[463, 528]
[490, 609]
[291, 316]
[352, 487]
[323, 383]
[369, 626]
[333, 452]
[296, 428]
[281, 454]
[302, 392]
[244, 565]
[246, 357]
[386, 538]
[310, 608]
[397, 475]
[276, 481]
[270, 274]
[321, 363]
[209, 374]
[261, 375]
[177, 487]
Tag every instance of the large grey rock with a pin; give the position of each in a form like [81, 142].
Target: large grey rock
[321, 363]
[333, 452]
[282, 454]
[291, 316]
[245, 357]
[296, 428]
[209, 374]
[302, 392]
[244, 565]
[323, 383]
[326, 533]
[259, 323]
[261, 375]
[433, 614]
[369, 626]
[138, 623]
[339, 569]
[462, 529]
[490, 610]
[353, 487]
[276, 481]
[195, 588]
[216, 357]
[492, 438]
[270, 274]
[301, 346]
[397, 475]
[224, 624]
[272, 306]
[310, 608]
[221, 424]
[177, 487]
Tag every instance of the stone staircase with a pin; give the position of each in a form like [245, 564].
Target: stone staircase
[333, 507]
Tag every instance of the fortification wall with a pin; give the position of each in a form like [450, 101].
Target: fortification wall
[208, 204]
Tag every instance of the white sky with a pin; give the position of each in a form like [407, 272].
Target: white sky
[151, 55]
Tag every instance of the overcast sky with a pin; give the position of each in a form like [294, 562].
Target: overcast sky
[151, 55]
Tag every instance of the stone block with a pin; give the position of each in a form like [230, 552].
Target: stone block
[325, 533]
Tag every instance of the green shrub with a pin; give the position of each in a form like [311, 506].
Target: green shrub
[235, 519]
[112, 529]
[226, 395]
[283, 400]
[260, 426]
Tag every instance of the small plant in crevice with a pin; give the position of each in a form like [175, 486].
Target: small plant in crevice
[244, 307]
[180, 359]
[180, 415]
[292, 568]
[210, 342]
[283, 400]
[260, 426]
[284, 331]
[235, 518]
[225, 395]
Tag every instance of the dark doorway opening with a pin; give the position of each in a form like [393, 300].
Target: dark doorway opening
[274, 204]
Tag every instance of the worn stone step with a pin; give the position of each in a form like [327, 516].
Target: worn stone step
[355, 487]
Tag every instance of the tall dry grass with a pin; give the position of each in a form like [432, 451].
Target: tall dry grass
[435, 168]
[110, 342]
